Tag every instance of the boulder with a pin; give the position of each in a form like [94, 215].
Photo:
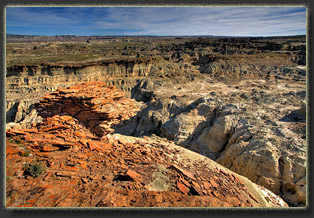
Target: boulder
[215, 138]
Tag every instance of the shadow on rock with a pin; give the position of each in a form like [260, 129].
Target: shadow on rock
[295, 116]
[96, 105]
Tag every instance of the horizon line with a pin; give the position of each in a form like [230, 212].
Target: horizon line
[155, 35]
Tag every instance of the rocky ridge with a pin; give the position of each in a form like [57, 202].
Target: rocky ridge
[255, 127]
[234, 100]
[61, 162]
[36, 68]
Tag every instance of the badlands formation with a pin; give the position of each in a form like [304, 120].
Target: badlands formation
[156, 122]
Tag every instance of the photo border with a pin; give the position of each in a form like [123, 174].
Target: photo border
[148, 211]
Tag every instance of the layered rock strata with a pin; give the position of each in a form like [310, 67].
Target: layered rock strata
[39, 67]
[27, 84]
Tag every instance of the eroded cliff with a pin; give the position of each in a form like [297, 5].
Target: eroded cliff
[238, 101]
[25, 85]
[258, 133]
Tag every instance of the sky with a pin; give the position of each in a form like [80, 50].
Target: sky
[161, 21]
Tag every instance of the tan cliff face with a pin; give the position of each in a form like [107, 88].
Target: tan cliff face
[25, 85]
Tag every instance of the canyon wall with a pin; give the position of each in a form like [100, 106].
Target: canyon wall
[240, 102]
[25, 85]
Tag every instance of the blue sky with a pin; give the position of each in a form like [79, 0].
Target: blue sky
[87, 21]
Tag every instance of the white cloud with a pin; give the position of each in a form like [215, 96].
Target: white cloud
[171, 20]
[23, 16]
[210, 21]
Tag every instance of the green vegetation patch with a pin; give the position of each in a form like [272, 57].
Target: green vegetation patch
[34, 170]
[11, 140]
[26, 153]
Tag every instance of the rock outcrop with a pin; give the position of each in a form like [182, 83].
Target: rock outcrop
[61, 162]
[258, 134]
[27, 84]
[97, 105]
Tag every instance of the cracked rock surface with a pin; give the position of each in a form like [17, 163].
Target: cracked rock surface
[62, 162]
